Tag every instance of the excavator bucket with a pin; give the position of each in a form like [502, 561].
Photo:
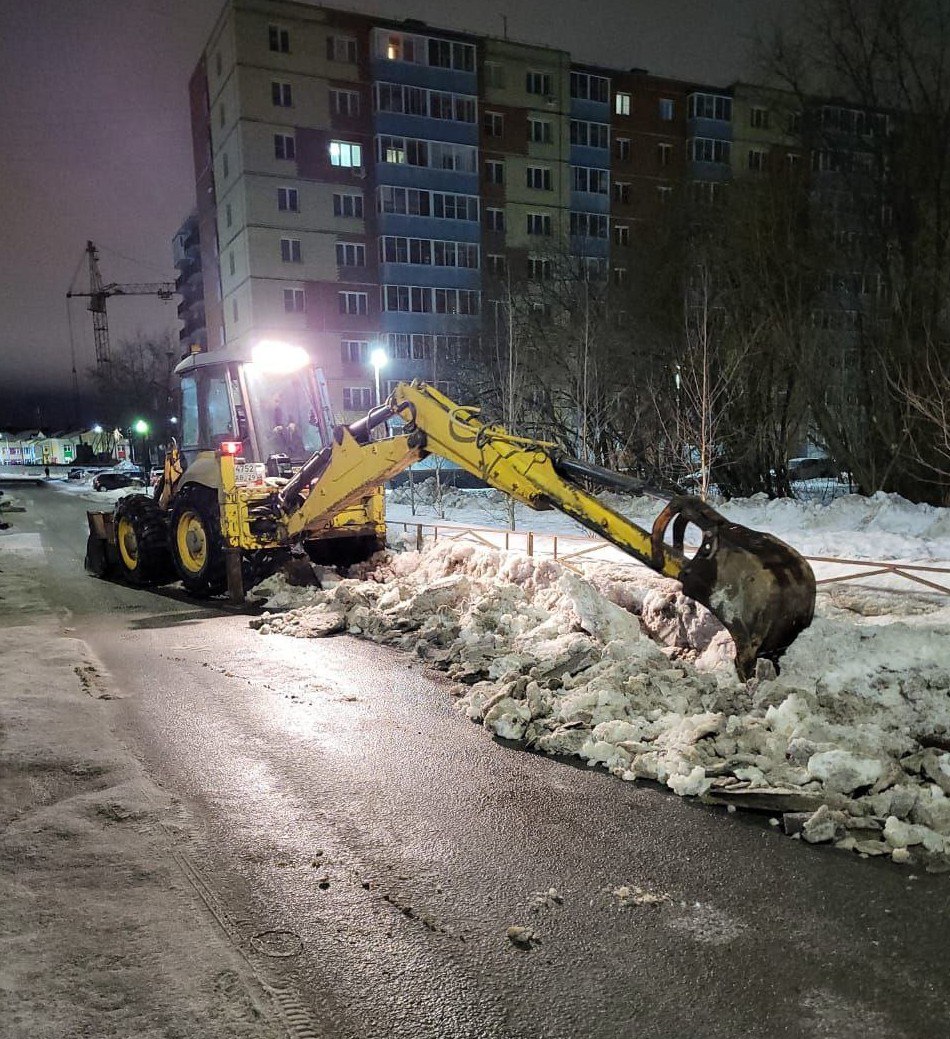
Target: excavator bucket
[761, 589]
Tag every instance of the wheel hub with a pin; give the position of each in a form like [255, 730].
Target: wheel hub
[192, 542]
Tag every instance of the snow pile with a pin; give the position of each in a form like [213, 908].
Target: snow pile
[567, 664]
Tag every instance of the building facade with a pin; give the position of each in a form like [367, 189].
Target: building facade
[365, 184]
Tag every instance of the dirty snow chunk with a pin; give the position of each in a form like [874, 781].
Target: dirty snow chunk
[823, 825]
[693, 785]
[842, 771]
[630, 894]
[508, 718]
[523, 937]
[904, 835]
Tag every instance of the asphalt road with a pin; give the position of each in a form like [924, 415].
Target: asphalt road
[368, 848]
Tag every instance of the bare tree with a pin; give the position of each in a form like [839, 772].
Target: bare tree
[883, 149]
[139, 382]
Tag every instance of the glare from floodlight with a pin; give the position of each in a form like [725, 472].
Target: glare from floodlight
[379, 358]
[141, 427]
[277, 358]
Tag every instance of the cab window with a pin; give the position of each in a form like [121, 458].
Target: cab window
[220, 425]
[189, 412]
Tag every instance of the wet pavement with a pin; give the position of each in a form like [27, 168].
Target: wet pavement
[368, 847]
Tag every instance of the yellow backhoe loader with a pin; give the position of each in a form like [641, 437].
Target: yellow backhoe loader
[262, 472]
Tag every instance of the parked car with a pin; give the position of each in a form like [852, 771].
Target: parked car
[110, 481]
[820, 468]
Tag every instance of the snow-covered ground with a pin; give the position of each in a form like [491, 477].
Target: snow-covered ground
[850, 743]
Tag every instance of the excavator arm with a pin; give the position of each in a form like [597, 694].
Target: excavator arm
[761, 589]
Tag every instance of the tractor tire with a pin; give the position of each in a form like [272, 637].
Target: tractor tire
[196, 542]
[142, 541]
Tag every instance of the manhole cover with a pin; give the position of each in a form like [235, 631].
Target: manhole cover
[279, 944]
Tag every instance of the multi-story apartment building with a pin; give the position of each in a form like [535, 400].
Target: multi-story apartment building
[364, 183]
[186, 251]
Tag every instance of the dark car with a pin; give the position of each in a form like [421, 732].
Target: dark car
[125, 478]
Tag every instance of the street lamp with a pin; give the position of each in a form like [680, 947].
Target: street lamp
[378, 359]
[97, 429]
[141, 427]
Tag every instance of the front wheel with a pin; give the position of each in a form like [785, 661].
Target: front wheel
[196, 542]
[141, 541]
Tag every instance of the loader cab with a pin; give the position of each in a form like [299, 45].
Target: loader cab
[272, 401]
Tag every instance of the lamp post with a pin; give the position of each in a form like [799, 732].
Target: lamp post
[378, 359]
[141, 427]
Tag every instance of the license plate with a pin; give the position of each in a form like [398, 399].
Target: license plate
[249, 472]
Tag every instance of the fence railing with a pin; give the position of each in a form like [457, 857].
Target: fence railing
[570, 549]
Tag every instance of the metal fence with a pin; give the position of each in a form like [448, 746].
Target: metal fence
[571, 549]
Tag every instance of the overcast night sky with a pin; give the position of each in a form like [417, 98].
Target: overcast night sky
[94, 139]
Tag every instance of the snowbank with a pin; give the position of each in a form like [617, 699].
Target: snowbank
[883, 526]
[616, 667]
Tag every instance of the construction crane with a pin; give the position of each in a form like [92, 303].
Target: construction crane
[99, 293]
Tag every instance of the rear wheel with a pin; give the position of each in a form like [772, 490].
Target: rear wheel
[197, 546]
[141, 541]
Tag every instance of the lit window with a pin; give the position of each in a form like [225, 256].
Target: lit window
[345, 154]
[622, 104]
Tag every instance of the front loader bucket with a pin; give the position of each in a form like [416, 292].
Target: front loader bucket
[761, 589]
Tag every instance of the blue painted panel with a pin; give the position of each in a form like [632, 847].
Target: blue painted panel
[709, 128]
[424, 177]
[391, 321]
[421, 274]
[584, 156]
[401, 125]
[429, 227]
[584, 202]
[424, 76]
[593, 111]
[589, 246]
